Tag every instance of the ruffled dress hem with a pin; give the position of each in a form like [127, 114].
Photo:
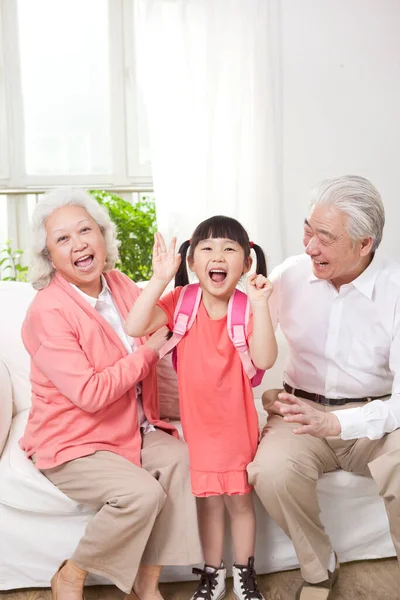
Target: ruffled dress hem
[205, 483]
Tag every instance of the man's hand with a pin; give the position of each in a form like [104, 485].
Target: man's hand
[314, 422]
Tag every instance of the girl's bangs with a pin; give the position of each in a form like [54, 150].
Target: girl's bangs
[223, 227]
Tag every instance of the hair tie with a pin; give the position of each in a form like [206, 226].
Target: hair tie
[251, 244]
[190, 241]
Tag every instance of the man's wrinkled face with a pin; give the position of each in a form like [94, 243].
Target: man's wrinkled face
[335, 256]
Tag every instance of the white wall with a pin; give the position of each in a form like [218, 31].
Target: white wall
[340, 69]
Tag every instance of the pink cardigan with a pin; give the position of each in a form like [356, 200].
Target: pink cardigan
[83, 380]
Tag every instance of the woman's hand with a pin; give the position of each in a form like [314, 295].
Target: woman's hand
[158, 339]
[258, 288]
[165, 262]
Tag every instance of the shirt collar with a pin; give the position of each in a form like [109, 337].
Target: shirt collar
[102, 296]
[365, 282]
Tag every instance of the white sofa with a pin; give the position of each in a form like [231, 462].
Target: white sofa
[39, 526]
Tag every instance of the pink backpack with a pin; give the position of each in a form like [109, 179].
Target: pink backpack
[238, 317]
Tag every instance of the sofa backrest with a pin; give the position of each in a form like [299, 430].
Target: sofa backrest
[15, 298]
[14, 301]
[273, 378]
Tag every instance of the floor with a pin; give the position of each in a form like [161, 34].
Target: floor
[367, 580]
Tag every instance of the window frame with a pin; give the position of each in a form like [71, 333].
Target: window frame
[123, 108]
[131, 99]
[4, 149]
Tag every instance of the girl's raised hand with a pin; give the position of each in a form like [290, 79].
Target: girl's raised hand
[258, 288]
[165, 262]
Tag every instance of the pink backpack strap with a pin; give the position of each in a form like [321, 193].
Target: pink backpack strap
[238, 318]
[184, 315]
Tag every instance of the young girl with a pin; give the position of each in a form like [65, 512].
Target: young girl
[218, 414]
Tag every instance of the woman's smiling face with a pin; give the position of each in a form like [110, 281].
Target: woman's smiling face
[77, 247]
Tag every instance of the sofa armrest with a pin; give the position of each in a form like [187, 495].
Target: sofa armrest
[6, 403]
[273, 378]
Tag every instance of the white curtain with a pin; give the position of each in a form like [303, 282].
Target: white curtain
[207, 69]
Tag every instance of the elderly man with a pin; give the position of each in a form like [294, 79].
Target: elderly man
[339, 307]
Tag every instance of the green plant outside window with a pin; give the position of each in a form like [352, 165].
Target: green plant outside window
[136, 226]
[10, 263]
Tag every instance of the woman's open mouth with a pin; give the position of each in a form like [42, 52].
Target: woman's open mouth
[217, 275]
[85, 262]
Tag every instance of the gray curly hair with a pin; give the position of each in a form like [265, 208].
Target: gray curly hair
[41, 270]
[359, 200]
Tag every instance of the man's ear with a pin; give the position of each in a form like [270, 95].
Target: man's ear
[247, 265]
[366, 246]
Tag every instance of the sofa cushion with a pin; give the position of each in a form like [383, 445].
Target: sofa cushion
[5, 404]
[23, 486]
[167, 389]
[15, 298]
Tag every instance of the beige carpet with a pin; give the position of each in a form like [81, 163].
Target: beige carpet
[368, 580]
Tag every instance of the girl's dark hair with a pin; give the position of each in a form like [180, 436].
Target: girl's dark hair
[219, 227]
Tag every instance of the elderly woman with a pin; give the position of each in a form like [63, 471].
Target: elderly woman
[94, 428]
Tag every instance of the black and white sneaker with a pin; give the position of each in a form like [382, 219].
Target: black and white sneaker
[212, 583]
[245, 586]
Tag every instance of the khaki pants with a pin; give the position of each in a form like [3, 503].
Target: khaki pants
[285, 472]
[143, 515]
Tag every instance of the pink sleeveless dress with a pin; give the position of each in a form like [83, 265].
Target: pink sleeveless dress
[218, 414]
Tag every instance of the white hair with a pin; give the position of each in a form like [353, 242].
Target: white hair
[359, 200]
[41, 269]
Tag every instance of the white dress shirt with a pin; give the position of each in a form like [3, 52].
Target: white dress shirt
[107, 308]
[346, 343]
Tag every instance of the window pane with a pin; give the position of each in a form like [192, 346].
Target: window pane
[31, 200]
[3, 219]
[3, 116]
[138, 143]
[64, 53]
[3, 136]
[143, 132]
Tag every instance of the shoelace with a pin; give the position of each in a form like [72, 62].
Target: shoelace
[207, 583]
[248, 581]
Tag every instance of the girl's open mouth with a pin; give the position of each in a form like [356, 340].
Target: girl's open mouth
[217, 275]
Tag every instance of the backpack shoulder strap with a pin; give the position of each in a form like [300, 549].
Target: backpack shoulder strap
[184, 315]
[238, 318]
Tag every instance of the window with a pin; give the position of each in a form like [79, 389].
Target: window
[64, 66]
[138, 146]
[3, 219]
[3, 117]
[69, 104]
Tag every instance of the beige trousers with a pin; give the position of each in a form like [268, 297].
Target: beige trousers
[285, 472]
[143, 515]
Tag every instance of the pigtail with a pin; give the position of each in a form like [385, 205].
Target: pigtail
[261, 261]
[182, 277]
